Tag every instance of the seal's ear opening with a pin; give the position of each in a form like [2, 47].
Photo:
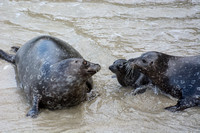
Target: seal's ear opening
[144, 61]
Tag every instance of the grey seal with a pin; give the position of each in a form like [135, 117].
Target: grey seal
[174, 75]
[52, 73]
[131, 77]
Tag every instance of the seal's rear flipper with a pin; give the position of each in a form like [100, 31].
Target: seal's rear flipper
[7, 57]
[184, 104]
[15, 48]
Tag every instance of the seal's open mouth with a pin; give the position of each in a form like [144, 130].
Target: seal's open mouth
[91, 71]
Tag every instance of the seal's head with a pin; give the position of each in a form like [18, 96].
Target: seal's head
[119, 66]
[75, 69]
[87, 68]
[151, 63]
[147, 62]
[82, 67]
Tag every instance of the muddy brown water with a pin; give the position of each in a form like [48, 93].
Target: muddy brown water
[102, 31]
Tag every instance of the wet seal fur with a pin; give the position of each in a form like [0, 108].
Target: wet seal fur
[174, 75]
[130, 77]
[52, 73]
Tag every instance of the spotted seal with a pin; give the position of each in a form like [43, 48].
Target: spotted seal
[129, 77]
[52, 73]
[174, 75]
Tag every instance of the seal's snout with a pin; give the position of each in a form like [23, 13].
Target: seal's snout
[111, 68]
[94, 68]
[98, 67]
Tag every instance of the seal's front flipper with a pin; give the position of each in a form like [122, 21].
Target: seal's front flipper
[183, 104]
[33, 112]
[92, 95]
[142, 89]
[172, 108]
[7, 57]
[139, 90]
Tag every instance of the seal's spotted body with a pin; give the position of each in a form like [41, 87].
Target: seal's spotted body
[176, 76]
[52, 73]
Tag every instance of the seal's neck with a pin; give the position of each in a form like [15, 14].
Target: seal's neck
[121, 78]
[74, 80]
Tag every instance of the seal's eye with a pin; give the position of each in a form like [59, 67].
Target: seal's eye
[85, 63]
[124, 63]
[119, 66]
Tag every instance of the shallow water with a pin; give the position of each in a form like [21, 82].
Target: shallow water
[102, 31]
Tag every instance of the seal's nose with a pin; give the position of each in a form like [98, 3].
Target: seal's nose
[110, 67]
[94, 68]
[98, 67]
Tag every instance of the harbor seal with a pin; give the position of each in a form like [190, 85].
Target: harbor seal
[174, 75]
[129, 77]
[52, 73]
